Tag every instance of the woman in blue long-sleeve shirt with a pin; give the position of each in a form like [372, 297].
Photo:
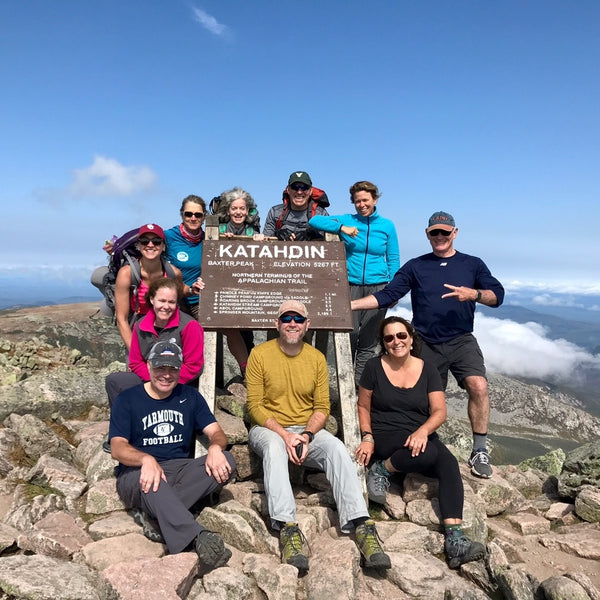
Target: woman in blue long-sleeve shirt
[372, 258]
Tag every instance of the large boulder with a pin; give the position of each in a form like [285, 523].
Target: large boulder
[581, 468]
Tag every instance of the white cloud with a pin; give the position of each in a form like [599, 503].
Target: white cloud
[556, 287]
[107, 177]
[524, 350]
[209, 22]
[549, 300]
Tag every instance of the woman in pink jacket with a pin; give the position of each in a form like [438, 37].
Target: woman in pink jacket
[163, 322]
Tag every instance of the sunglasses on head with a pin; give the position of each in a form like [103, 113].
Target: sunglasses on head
[300, 187]
[153, 241]
[400, 335]
[188, 214]
[290, 318]
[443, 232]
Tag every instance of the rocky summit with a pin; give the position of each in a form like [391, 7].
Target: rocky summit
[64, 534]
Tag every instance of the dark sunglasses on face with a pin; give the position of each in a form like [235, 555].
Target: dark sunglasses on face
[401, 335]
[188, 214]
[290, 318]
[443, 232]
[153, 241]
[300, 187]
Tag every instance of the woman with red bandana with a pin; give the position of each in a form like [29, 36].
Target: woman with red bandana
[184, 247]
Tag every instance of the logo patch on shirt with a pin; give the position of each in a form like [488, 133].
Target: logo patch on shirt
[444, 264]
[182, 256]
[163, 429]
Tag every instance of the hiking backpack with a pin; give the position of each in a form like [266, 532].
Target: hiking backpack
[124, 252]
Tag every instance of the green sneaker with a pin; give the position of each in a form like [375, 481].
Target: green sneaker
[372, 554]
[290, 544]
[460, 549]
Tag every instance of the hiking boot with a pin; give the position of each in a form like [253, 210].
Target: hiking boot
[480, 463]
[211, 550]
[367, 540]
[460, 549]
[290, 544]
[149, 526]
[377, 483]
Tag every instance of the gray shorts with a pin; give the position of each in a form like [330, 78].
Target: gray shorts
[461, 356]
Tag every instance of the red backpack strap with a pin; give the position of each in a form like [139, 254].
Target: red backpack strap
[285, 211]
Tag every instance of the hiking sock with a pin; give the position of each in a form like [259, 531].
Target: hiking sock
[479, 441]
[359, 521]
[450, 528]
[379, 467]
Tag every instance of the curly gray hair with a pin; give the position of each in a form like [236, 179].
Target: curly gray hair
[225, 200]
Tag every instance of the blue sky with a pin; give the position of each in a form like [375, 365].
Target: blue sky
[113, 111]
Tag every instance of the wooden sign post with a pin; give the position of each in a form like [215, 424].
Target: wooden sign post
[245, 283]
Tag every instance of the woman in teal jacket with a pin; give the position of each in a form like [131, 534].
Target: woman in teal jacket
[372, 257]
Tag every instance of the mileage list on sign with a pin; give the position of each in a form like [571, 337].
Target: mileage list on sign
[246, 281]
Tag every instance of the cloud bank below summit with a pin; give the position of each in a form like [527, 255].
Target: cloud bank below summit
[524, 350]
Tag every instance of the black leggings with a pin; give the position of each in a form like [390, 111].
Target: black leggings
[436, 462]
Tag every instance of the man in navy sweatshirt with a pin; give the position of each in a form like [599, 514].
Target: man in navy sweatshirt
[445, 285]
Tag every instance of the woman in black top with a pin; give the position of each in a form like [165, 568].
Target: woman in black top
[401, 404]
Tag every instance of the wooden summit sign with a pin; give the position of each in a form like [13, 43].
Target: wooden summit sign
[247, 280]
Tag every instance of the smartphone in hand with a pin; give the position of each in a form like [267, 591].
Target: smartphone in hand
[299, 449]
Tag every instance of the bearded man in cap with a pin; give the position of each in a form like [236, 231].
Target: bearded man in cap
[288, 401]
[152, 432]
[445, 286]
[301, 202]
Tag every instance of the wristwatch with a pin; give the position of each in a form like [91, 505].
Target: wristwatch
[363, 433]
[478, 296]
[310, 434]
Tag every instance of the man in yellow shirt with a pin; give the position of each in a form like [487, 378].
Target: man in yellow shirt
[288, 401]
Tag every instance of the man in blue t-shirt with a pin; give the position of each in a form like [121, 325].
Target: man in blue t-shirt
[445, 285]
[152, 432]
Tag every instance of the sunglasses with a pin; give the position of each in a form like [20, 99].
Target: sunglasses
[443, 232]
[300, 187]
[290, 318]
[400, 335]
[153, 241]
[188, 214]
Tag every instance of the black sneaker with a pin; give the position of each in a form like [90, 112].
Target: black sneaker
[290, 544]
[460, 549]
[211, 550]
[106, 446]
[149, 525]
[480, 463]
[372, 554]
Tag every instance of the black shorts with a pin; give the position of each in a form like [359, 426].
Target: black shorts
[461, 356]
